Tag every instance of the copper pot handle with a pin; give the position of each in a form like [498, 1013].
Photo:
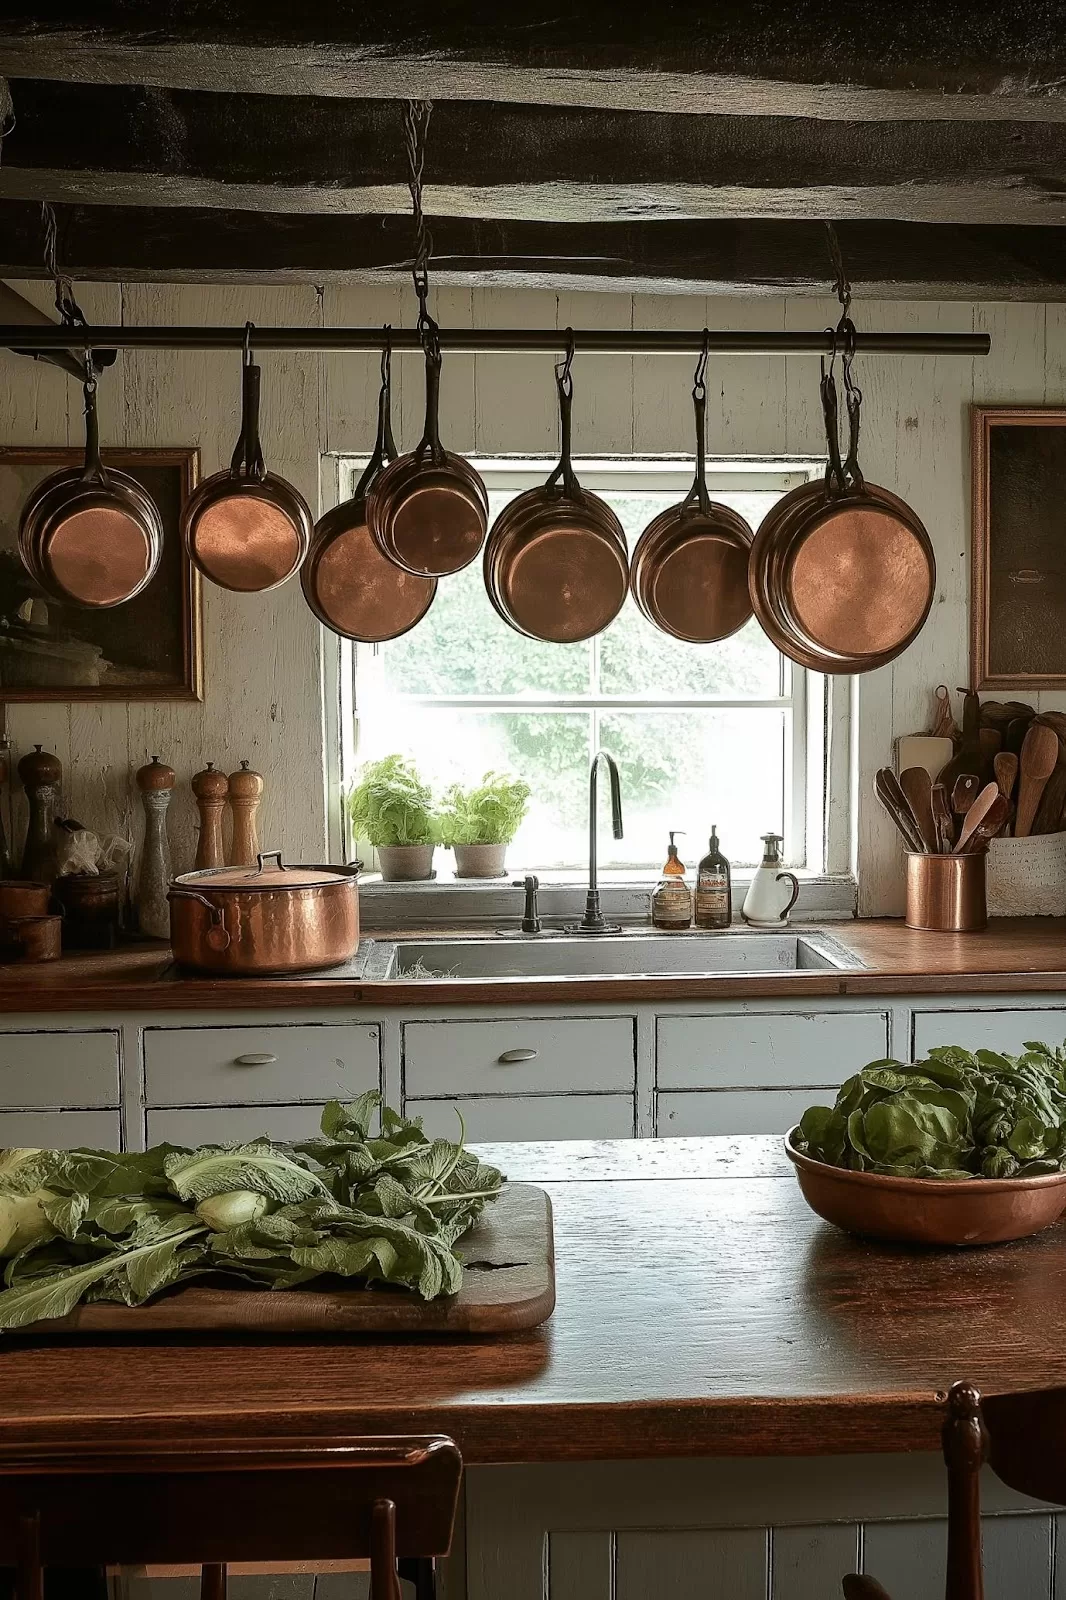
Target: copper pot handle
[698, 496]
[269, 855]
[94, 470]
[384, 444]
[217, 936]
[430, 444]
[564, 383]
[247, 459]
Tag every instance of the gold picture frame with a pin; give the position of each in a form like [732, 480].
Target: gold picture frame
[148, 649]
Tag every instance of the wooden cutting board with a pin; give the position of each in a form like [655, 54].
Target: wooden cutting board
[508, 1284]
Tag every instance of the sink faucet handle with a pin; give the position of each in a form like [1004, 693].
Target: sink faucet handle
[531, 914]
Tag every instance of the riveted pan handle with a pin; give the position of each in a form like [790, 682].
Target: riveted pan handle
[384, 444]
[430, 444]
[247, 460]
[217, 936]
[698, 496]
[564, 478]
[94, 470]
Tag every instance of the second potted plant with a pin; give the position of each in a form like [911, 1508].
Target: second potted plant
[479, 823]
[391, 808]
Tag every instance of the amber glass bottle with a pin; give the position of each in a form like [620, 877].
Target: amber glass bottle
[671, 903]
[714, 888]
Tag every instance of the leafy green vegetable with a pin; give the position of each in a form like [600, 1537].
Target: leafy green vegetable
[382, 1207]
[954, 1115]
[391, 805]
[489, 813]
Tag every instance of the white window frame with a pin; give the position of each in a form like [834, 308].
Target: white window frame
[817, 762]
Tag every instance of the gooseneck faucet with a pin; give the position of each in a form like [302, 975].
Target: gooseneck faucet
[592, 921]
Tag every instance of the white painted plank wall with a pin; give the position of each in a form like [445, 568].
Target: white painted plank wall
[263, 656]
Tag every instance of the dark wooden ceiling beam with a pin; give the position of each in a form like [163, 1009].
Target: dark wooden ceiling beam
[901, 259]
[943, 58]
[137, 145]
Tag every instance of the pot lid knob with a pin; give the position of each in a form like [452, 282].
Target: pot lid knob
[156, 775]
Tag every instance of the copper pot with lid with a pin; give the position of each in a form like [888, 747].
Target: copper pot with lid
[556, 561]
[270, 918]
[91, 536]
[347, 582]
[246, 529]
[690, 565]
[427, 511]
[842, 572]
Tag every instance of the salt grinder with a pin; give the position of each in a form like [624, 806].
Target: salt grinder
[156, 783]
[41, 774]
[211, 788]
[245, 793]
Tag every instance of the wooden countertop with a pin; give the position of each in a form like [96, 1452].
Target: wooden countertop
[1014, 956]
[702, 1310]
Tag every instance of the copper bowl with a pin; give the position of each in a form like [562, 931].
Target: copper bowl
[939, 1211]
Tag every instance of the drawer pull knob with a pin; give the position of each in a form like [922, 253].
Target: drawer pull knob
[255, 1060]
[509, 1057]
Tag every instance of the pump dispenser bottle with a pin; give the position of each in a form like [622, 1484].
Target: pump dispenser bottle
[714, 888]
[671, 902]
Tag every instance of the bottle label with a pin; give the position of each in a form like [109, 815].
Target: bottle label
[712, 902]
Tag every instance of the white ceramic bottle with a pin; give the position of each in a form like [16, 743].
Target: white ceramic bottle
[765, 904]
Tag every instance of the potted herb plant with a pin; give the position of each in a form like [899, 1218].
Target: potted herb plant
[391, 808]
[479, 823]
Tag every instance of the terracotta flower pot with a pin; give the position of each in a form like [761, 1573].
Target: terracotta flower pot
[480, 860]
[405, 863]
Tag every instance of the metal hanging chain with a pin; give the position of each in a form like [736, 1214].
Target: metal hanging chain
[841, 284]
[415, 125]
[65, 303]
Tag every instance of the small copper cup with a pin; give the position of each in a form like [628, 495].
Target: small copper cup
[946, 894]
[32, 938]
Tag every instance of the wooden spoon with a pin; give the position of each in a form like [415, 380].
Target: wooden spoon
[990, 824]
[916, 785]
[942, 819]
[977, 813]
[895, 802]
[1040, 753]
[1006, 769]
[964, 792]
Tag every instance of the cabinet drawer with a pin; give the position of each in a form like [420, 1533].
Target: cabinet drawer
[766, 1050]
[988, 1030]
[59, 1069]
[519, 1055]
[226, 1124]
[541, 1116]
[227, 1066]
[729, 1111]
[60, 1130]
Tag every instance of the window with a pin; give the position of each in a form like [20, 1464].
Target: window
[728, 733]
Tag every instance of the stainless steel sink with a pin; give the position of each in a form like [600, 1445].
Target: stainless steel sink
[698, 954]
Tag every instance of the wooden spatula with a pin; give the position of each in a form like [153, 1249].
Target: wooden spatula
[1040, 753]
[991, 823]
[977, 813]
[916, 785]
[1006, 768]
[964, 792]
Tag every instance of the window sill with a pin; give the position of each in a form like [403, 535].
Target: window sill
[456, 902]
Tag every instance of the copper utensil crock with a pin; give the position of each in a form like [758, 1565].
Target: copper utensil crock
[253, 921]
[428, 511]
[931, 1211]
[91, 535]
[556, 562]
[347, 582]
[690, 565]
[946, 893]
[247, 529]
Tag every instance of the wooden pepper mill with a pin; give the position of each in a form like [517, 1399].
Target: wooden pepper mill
[211, 788]
[245, 793]
[42, 775]
[156, 783]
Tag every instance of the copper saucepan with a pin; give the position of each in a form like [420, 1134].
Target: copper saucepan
[690, 566]
[347, 582]
[91, 535]
[240, 921]
[428, 510]
[556, 562]
[842, 573]
[247, 529]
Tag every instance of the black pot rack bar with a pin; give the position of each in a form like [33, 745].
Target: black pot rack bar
[475, 341]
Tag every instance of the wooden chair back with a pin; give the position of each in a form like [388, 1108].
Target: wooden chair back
[204, 1503]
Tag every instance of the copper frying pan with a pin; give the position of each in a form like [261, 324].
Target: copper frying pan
[690, 566]
[556, 562]
[347, 582]
[91, 535]
[245, 528]
[842, 574]
[428, 510]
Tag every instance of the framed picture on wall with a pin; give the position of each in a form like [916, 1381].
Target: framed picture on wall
[147, 649]
[1018, 549]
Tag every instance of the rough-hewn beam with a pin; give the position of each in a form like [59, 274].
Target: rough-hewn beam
[943, 58]
[904, 259]
[143, 146]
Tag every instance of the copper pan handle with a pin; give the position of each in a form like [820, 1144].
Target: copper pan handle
[94, 470]
[699, 495]
[269, 855]
[564, 383]
[217, 935]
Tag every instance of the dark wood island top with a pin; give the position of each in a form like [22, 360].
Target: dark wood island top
[702, 1310]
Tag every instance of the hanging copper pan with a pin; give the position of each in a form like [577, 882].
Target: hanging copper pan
[842, 573]
[90, 535]
[428, 510]
[690, 566]
[347, 582]
[247, 529]
[556, 562]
